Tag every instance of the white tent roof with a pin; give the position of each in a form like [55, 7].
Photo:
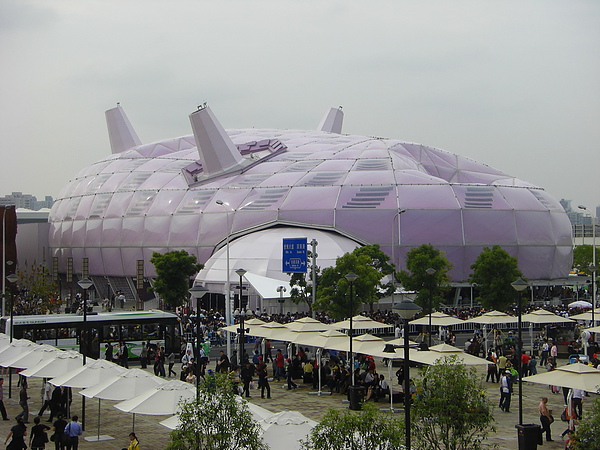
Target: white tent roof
[267, 287]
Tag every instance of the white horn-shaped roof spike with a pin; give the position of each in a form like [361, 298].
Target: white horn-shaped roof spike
[120, 132]
[217, 152]
[332, 121]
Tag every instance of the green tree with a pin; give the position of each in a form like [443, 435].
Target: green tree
[450, 410]
[586, 434]
[301, 286]
[173, 270]
[583, 257]
[416, 278]
[493, 271]
[42, 292]
[366, 429]
[216, 420]
[333, 291]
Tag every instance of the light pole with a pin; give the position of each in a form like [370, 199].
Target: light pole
[353, 394]
[198, 292]
[406, 310]
[281, 290]
[85, 284]
[84, 342]
[430, 272]
[241, 315]
[519, 285]
[227, 282]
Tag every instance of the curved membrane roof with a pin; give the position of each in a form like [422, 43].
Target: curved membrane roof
[158, 197]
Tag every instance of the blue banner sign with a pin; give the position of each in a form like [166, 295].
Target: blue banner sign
[294, 255]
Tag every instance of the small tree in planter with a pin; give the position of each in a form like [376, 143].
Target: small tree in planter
[450, 410]
[366, 429]
[215, 420]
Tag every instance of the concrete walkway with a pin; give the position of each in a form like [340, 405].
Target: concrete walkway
[152, 435]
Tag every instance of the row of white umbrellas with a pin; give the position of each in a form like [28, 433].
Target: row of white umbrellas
[138, 391]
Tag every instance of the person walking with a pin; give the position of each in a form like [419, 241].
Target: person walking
[505, 391]
[246, 375]
[46, 397]
[546, 418]
[17, 436]
[2, 408]
[134, 444]
[73, 431]
[279, 364]
[39, 437]
[59, 431]
[263, 380]
[171, 360]
[144, 356]
[23, 397]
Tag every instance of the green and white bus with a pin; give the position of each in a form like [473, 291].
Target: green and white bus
[65, 330]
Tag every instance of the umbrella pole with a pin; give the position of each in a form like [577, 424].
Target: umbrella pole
[133, 430]
[390, 384]
[320, 369]
[99, 400]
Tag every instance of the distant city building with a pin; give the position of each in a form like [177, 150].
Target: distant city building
[581, 220]
[26, 201]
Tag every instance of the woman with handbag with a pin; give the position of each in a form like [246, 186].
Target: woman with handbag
[39, 437]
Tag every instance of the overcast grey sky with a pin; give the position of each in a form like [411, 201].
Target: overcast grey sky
[512, 84]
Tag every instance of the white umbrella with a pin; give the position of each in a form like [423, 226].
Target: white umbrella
[493, 317]
[63, 362]
[587, 315]
[436, 352]
[258, 413]
[330, 339]
[122, 386]
[544, 316]
[160, 400]
[32, 357]
[286, 429]
[360, 323]
[365, 343]
[437, 319]
[593, 329]
[15, 348]
[574, 376]
[308, 324]
[580, 304]
[273, 330]
[90, 374]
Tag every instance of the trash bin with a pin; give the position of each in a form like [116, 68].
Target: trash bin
[529, 435]
[356, 395]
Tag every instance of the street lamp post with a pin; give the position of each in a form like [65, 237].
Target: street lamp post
[520, 285]
[281, 290]
[85, 284]
[353, 390]
[406, 310]
[430, 272]
[241, 315]
[227, 283]
[198, 292]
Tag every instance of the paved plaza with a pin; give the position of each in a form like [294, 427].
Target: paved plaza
[152, 435]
